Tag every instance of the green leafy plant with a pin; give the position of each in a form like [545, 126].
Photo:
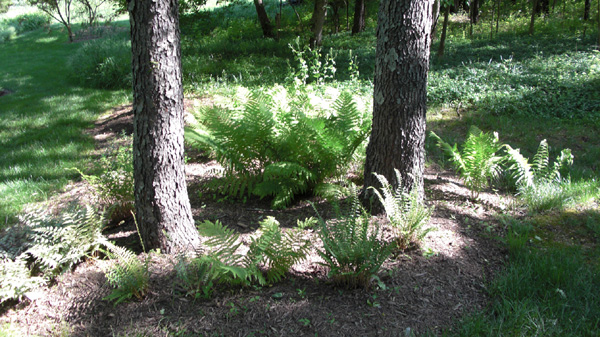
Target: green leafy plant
[57, 244]
[114, 184]
[540, 184]
[269, 148]
[128, 276]
[197, 276]
[353, 249]
[311, 65]
[477, 161]
[103, 63]
[407, 213]
[45, 247]
[270, 255]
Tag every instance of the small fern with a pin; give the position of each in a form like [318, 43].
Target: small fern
[59, 243]
[277, 150]
[477, 162]
[408, 215]
[353, 249]
[128, 276]
[16, 280]
[197, 276]
[271, 250]
[528, 175]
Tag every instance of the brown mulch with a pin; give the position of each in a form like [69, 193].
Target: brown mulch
[424, 289]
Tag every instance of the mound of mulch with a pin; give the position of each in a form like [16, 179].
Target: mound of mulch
[424, 289]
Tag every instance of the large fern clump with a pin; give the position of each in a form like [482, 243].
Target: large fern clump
[270, 255]
[280, 144]
[478, 161]
[353, 248]
[407, 213]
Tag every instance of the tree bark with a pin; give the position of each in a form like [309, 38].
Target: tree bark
[318, 21]
[162, 206]
[533, 12]
[359, 17]
[586, 9]
[435, 16]
[442, 46]
[400, 95]
[474, 11]
[263, 18]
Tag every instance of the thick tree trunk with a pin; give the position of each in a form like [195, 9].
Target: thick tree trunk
[586, 9]
[318, 21]
[263, 18]
[400, 95]
[359, 17]
[162, 206]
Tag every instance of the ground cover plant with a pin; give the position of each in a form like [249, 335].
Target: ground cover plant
[532, 272]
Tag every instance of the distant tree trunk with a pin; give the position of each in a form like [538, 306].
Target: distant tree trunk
[586, 9]
[544, 6]
[442, 46]
[533, 12]
[497, 16]
[474, 11]
[400, 95]
[162, 206]
[335, 6]
[318, 21]
[359, 17]
[435, 16]
[263, 18]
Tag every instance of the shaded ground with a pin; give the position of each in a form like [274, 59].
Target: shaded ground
[424, 289]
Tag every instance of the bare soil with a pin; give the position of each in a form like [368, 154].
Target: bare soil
[423, 289]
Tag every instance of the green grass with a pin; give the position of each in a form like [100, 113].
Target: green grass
[42, 121]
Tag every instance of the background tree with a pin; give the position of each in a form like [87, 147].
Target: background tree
[400, 94]
[533, 13]
[446, 8]
[359, 17]
[59, 10]
[263, 18]
[586, 9]
[4, 5]
[162, 206]
[318, 21]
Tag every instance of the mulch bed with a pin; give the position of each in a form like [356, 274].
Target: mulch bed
[424, 289]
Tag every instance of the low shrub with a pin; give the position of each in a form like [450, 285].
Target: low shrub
[7, 33]
[31, 21]
[103, 63]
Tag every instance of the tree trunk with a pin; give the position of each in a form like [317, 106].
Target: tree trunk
[533, 12]
[400, 95]
[435, 16]
[318, 21]
[442, 46]
[586, 9]
[359, 17]
[162, 206]
[474, 11]
[263, 18]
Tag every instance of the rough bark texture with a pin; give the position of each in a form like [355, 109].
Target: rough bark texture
[263, 18]
[318, 21]
[161, 201]
[400, 94]
[359, 17]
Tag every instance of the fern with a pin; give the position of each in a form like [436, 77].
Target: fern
[271, 249]
[197, 276]
[353, 249]
[477, 162]
[60, 243]
[277, 150]
[528, 175]
[16, 280]
[128, 276]
[407, 214]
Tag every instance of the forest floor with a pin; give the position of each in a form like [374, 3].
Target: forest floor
[424, 289]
